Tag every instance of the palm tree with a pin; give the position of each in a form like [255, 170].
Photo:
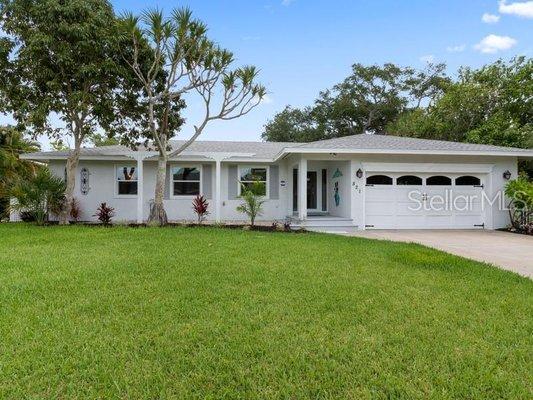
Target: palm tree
[40, 195]
[12, 168]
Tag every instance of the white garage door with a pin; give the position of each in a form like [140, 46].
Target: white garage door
[423, 201]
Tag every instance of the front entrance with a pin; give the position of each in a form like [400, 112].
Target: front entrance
[312, 190]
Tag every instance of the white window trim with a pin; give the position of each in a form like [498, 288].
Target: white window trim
[171, 179]
[125, 196]
[267, 183]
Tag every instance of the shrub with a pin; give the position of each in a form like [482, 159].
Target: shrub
[26, 216]
[39, 196]
[105, 213]
[252, 204]
[520, 191]
[200, 205]
[75, 210]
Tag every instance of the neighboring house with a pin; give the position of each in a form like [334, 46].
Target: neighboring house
[359, 182]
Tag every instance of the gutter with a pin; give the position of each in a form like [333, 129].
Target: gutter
[292, 150]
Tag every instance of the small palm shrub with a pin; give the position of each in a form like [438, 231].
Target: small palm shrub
[252, 204]
[105, 214]
[39, 196]
[520, 191]
[200, 205]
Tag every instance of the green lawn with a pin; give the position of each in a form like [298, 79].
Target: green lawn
[89, 312]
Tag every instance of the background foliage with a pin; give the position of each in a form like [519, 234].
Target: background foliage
[490, 105]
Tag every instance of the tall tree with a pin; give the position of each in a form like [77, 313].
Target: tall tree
[62, 58]
[293, 125]
[369, 99]
[366, 100]
[184, 61]
[490, 105]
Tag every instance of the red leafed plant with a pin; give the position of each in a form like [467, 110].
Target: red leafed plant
[200, 205]
[104, 213]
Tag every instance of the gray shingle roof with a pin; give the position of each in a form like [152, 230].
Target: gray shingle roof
[260, 150]
[269, 150]
[389, 142]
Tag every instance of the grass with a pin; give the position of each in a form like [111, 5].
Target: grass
[89, 312]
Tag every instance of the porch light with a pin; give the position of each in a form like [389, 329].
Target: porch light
[507, 175]
[359, 173]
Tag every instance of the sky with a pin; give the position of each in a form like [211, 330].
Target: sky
[304, 46]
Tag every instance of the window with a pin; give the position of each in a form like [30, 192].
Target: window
[409, 180]
[185, 181]
[467, 180]
[379, 180]
[438, 180]
[253, 178]
[126, 180]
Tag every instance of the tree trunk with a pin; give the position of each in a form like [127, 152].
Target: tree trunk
[72, 163]
[157, 212]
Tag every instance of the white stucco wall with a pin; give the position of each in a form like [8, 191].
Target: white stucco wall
[344, 207]
[351, 189]
[102, 185]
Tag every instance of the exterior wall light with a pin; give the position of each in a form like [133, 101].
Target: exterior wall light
[507, 175]
[359, 173]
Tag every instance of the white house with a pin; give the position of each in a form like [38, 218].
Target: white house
[354, 182]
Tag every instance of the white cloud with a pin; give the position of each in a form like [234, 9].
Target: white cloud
[456, 49]
[267, 99]
[490, 18]
[521, 9]
[286, 2]
[493, 43]
[429, 58]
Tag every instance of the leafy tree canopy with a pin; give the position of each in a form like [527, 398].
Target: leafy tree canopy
[366, 101]
[491, 105]
[63, 58]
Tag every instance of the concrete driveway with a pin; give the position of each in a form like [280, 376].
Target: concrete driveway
[509, 251]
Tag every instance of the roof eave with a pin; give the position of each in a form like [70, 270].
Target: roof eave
[49, 157]
[520, 154]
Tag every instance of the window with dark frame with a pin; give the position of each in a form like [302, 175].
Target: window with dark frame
[411, 180]
[379, 180]
[467, 180]
[185, 181]
[438, 180]
[253, 178]
[126, 180]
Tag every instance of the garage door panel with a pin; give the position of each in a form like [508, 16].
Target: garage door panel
[410, 222]
[380, 222]
[439, 213]
[403, 206]
[378, 194]
[439, 221]
[409, 195]
[409, 208]
[380, 208]
[468, 221]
